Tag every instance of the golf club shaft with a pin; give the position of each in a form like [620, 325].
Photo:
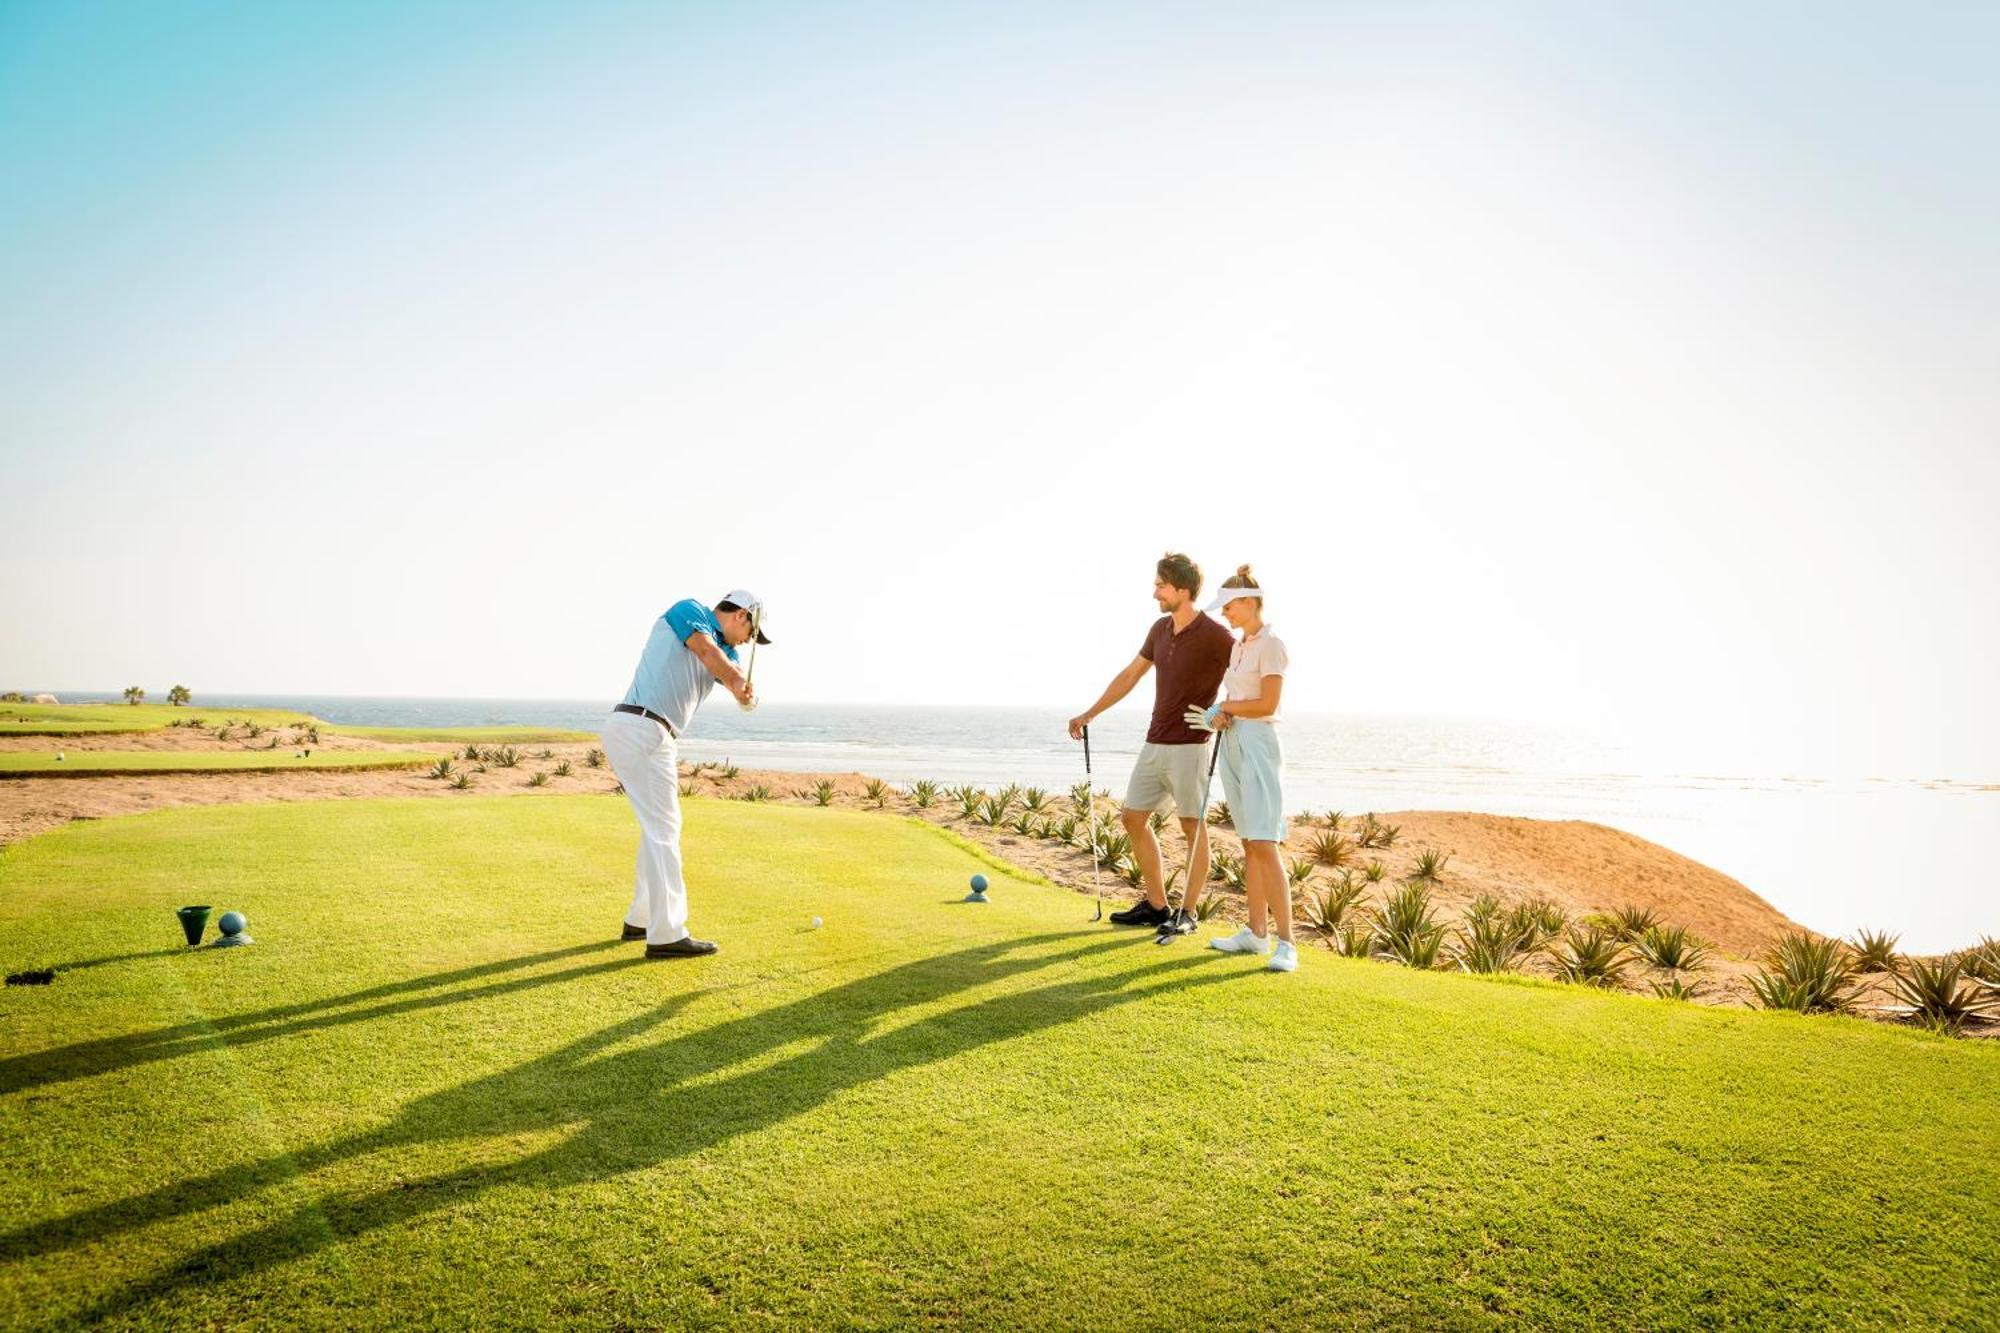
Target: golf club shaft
[1090, 802]
[1201, 819]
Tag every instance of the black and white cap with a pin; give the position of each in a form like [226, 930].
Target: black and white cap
[751, 602]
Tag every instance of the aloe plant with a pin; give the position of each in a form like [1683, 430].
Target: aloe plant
[1034, 800]
[1488, 943]
[1940, 997]
[562, 770]
[877, 791]
[1429, 867]
[1355, 942]
[1298, 870]
[1677, 987]
[1080, 798]
[1374, 872]
[1672, 948]
[1208, 906]
[687, 789]
[923, 793]
[1327, 909]
[822, 792]
[1226, 868]
[970, 799]
[442, 768]
[1629, 923]
[462, 781]
[728, 771]
[1483, 908]
[593, 758]
[505, 757]
[1982, 961]
[1025, 824]
[758, 792]
[1157, 821]
[1405, 927]
[546, 755]
[1218, 812]
[1875, 950]
[1807, 975]
[1333, 848]
[538, 780]
[1589, 956]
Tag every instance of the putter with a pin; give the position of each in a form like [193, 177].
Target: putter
[1090, 796]
[1200, 827]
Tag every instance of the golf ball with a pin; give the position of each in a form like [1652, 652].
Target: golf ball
[816, 923]
[232, 923]
[979, 883]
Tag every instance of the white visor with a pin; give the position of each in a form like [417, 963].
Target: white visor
[1224, 596]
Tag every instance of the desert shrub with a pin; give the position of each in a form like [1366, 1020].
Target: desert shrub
[1333, 849]
[1405, 927]
[1333, 819]
[1208, 906]
[822, 792]
[1226, 868]
[442, 768]
[1671, 947]
[1629, 923]
[757, 792]
[1488, 943]
[687, 789]
[1354, 941]
[1374, 872]
[1157, 821]
[1298, 870]
[876, 791]
[970, 799]
[1982, 960]
[538, 780]
[1064, 829]
[470, 753]
[1806, 975]
[505, 756]
[992, 812]
[1875, 950]
[1218, 812]
[1483, 907]
[1940, 997]
[728, 771]
[1034, 800]
[1590, 956]
[1328, 908]
[593, 758]
[562, 770]
[548, 754]
[1429, 868]
[923, 793]
[462, 781]
[1079, 798]
[1678, 988]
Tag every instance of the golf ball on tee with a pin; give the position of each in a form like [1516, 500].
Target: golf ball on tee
[979, 883]
[815, 923]
[232, 923]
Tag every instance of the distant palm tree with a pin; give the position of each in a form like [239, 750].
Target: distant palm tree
[133, 694]
[178, 695]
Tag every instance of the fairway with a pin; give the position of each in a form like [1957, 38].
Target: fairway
[438, 1092]
[109, 718]
[503, 735]
[116, 763]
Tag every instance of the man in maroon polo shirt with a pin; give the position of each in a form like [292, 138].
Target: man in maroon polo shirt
[1190, 651]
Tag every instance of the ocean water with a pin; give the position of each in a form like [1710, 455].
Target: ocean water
[1836, 853]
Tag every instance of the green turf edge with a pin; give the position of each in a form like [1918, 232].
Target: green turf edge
[371, 765]
[460, 735]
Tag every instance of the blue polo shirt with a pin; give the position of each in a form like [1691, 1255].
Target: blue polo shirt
[671, 680]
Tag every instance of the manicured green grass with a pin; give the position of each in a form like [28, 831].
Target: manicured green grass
[98, 719]
[438, 1093]
[465, 735]
[110, 763]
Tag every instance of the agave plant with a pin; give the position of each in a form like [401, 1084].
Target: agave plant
[1550, 920]
[1940, 997]
[923, 793]
[1333, 819]
[1354, 942]
[442, 768]
[1157, 821]
[1333, 848]
[538, 780]
[1026, 824]
[1672, 948]
[822, 792]
[504, 757]
[1208, 906]
[1807, 975]
[1127, 868]
[1374, 872]
[1488, 943]
[757, 792]
[1063, 829]
[877, 791]
[1080, 797]
[992, 811]
[1218, 812]
[1982, 961]
[1226, 868]
[1591, 957]
[1629, 923]
[728, 771]
[1677, 988]
[1327, 909]
[1298, 870]
[1007, 796]
[593, 758]
[1875, 950]
[1406, 929]
[562, 770]
[1429, 867]
[1485, 907]
[462, 781]
[969, 799]
[687, 789]
[547, 754]
[1034, 800]
[1113, 847]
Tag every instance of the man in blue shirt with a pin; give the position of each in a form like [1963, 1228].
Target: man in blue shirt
[692, 647]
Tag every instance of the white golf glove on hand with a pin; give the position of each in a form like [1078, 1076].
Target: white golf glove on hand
[1199, 719]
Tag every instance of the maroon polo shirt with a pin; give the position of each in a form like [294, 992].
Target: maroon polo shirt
[1187, 671]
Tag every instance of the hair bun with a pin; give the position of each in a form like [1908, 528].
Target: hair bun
[1243, 571]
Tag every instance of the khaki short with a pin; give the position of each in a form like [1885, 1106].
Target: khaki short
[1168, 773]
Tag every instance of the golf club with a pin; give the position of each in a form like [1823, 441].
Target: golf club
[1090, 801]
[750, 674]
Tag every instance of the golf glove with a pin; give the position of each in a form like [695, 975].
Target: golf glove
[1201, 719]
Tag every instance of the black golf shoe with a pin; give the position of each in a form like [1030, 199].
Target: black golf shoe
[1141, 913]
[633, 932]
[1179, 922]
[689, 947]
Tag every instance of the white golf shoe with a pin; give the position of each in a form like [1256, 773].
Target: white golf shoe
[1241, 942]
[1284, 958]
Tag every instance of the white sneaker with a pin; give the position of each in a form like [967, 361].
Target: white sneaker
[1241, 942]
[1284, 958]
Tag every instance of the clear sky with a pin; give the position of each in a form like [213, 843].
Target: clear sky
[1635, 365]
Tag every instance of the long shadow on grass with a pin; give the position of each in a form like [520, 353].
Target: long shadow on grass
[86, 1059]
[636, 1106]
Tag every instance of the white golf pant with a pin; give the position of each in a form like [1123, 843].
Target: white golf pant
[646, 760]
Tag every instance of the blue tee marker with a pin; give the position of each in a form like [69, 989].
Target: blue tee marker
[978, 894]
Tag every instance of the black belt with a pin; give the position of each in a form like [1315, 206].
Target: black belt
[647, 712]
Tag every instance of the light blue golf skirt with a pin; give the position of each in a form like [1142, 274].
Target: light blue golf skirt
[1253, 766]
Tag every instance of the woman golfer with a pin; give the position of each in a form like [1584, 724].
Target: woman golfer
[1253, 766]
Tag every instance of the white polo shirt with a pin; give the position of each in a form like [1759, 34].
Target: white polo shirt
[1250, 660]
